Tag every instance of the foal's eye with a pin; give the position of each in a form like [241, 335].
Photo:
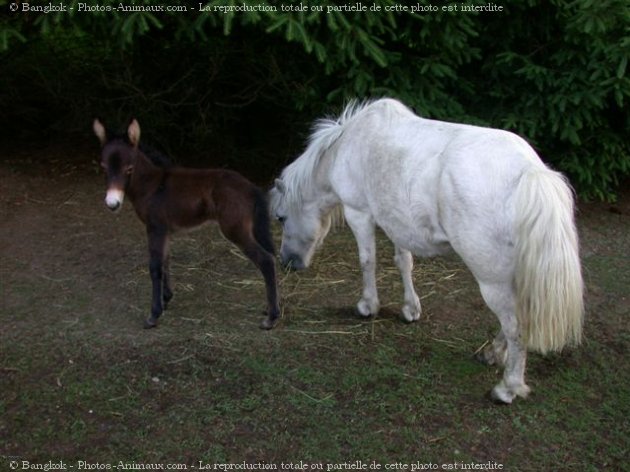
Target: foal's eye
[281, 219]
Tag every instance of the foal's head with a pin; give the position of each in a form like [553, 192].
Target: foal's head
[118, 157]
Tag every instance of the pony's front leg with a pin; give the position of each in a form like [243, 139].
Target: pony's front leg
[412, 309]
[157, 247]
[362, 226]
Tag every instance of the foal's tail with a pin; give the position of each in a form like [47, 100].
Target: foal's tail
[548, 276]
[262, 225]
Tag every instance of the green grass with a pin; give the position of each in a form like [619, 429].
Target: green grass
[80, 379]
[306, 403]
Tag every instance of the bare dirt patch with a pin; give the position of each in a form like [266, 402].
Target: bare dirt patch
[80, 376]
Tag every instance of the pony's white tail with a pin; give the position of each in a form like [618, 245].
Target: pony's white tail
[548, 277]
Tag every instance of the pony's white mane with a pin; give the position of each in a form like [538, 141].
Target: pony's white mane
[299, 176]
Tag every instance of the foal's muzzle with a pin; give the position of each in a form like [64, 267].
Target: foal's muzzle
[114, 199]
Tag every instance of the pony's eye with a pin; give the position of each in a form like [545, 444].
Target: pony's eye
[281, 219]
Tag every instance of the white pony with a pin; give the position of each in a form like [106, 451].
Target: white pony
[434, 186]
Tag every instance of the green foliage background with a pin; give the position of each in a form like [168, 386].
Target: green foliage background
[244, 86]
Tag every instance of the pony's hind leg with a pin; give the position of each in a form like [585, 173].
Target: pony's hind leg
[495, 353]
[500, 298]
[412, 309]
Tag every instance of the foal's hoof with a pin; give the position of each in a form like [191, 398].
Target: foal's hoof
[150, 323]
[268, 323]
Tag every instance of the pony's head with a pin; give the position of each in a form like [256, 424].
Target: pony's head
[303, 200]
[118, 157]
[305, 224]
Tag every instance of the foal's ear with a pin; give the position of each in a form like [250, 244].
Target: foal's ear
[280, 186]
[99, 131]
[133, 132]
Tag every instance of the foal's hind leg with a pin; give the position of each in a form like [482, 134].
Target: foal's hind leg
[411, 309]
[167, 294]
[267, 266]
[265, 263]
[500, 299]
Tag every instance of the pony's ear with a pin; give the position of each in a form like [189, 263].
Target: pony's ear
[99, 131]
[133, 132]
[280, 186]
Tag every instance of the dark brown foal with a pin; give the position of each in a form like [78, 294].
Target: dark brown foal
[168, 199]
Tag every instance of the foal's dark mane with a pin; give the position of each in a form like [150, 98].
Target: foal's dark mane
[156, 157]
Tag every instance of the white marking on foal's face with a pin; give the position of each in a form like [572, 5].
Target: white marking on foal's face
[114, 199]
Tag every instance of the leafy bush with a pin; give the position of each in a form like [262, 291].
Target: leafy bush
[553, 71]
[559, 78]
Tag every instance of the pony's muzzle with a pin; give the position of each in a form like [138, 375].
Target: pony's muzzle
[114, 199]
[292, 262]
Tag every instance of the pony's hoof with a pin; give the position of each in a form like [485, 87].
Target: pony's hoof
[150, 323]
[490, 355]
[483, 358]
[496, 400]
[268, 323]
[367, 309]
[503, 393]
[411, 312]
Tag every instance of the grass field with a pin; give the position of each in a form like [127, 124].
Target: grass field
[82, 381]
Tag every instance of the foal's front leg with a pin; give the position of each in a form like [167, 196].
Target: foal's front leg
[411, 309]
[362, 226]
[157, 249]
[167, 294]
